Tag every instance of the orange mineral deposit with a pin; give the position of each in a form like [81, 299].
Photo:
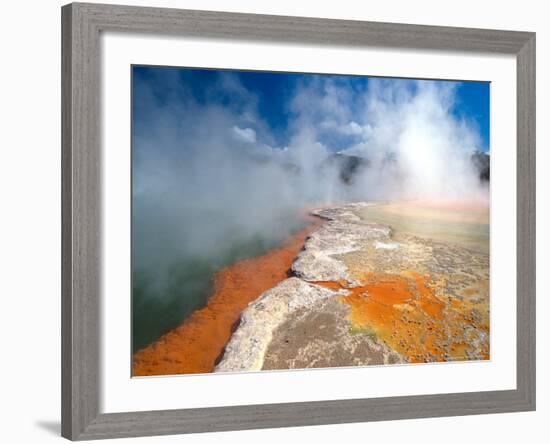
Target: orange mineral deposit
[197, 344]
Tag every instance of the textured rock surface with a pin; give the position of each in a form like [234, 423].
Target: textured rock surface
[367, 294]
[345, 232]
[246, 349]
[322, 336]
[429, 296]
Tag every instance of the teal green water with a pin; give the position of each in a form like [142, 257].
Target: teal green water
[157, 310]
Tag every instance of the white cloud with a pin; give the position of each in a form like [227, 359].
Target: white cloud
[352, 129]
[247, 135]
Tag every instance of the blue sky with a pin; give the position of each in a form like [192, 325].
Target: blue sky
[272, 98]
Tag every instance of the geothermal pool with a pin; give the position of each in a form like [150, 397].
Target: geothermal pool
[169, 289]
[419, 295]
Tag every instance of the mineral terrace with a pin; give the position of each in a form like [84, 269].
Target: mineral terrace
[364, 293]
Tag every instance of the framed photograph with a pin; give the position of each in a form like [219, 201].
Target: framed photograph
[278, 221]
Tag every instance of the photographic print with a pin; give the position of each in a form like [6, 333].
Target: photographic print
[294, 221]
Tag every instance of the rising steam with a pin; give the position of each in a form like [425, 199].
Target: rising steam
[209, 172]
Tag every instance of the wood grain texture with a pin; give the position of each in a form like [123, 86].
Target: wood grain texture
[66, 224]
[526, 221]
[81, 222]
[165, 21]
[119, 425]
[81, 234]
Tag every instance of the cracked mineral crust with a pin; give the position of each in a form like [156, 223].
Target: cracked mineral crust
[364, 293]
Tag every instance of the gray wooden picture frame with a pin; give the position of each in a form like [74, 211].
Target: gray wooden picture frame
[81, 234]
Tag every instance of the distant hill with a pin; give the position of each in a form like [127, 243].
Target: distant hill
[348, 166]
[482, 162]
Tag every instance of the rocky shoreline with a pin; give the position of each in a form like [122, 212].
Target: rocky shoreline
[264, 321]
[361, 295]
[196, 345]
[248, 345]
[344, 232]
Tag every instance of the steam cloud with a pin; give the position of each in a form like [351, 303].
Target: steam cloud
[211, 171]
